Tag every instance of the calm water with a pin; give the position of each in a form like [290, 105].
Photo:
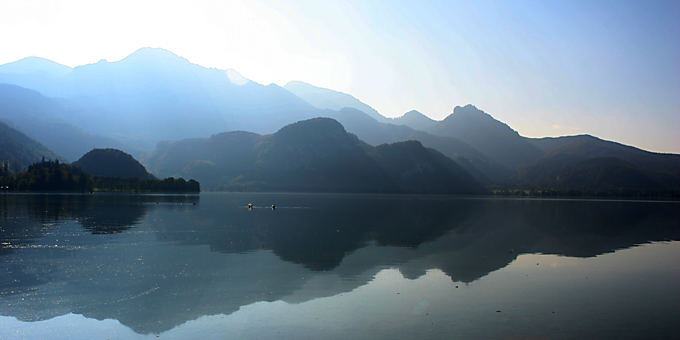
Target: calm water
[336, 267]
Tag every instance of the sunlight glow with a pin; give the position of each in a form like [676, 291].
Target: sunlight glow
[529, 64]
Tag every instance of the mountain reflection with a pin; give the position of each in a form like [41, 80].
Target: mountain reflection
[25, 217]
[186, 258]
[317, 232]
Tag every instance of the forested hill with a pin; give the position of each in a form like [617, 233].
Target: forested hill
[112, 163]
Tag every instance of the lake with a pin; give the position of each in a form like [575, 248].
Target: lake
[336, 267]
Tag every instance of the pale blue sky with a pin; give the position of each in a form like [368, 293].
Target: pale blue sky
[608, 68]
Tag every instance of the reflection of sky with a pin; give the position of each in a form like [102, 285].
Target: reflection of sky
[628, 293]
[610, 68]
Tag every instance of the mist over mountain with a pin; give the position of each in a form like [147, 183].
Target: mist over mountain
[311, 155]
[18, 151]
[45, 119]
[33, 72]
[155, 95]
[323, 98]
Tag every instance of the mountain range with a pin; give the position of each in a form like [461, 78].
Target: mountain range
[155, 95]
[154, 103]
[311, 155]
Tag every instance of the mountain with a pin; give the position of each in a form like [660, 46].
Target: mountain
[375, 133]
[112, 163]
[494, 139]
[18, 151]
[42, 118]
[154, 95]
[569, 164]
[415, 120]
[594, 175]
[421, 170]
[36, 66]
[311, 155]
[323, 98]
[33, 72]
[582, 147]
[589, 164]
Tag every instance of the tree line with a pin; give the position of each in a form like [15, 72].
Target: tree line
[54, 176]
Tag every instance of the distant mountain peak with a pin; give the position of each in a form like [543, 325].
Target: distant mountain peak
[470, 112]
[35, 65]
[415, 120]
[154, 54]
[153, 51]
[468, 109]
[415, 114]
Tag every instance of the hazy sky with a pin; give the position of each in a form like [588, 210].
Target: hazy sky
[608, 68]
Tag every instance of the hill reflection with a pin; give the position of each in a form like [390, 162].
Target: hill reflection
[154, 262]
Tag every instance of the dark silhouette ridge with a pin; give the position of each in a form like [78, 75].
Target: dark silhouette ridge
[95, 105]
[494, 139]
[509, 163]
[376, 133]
[315, 155]
[585, 162]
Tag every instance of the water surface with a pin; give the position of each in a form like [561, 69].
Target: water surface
[336, 266]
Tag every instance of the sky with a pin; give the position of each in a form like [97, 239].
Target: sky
[546, 68]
